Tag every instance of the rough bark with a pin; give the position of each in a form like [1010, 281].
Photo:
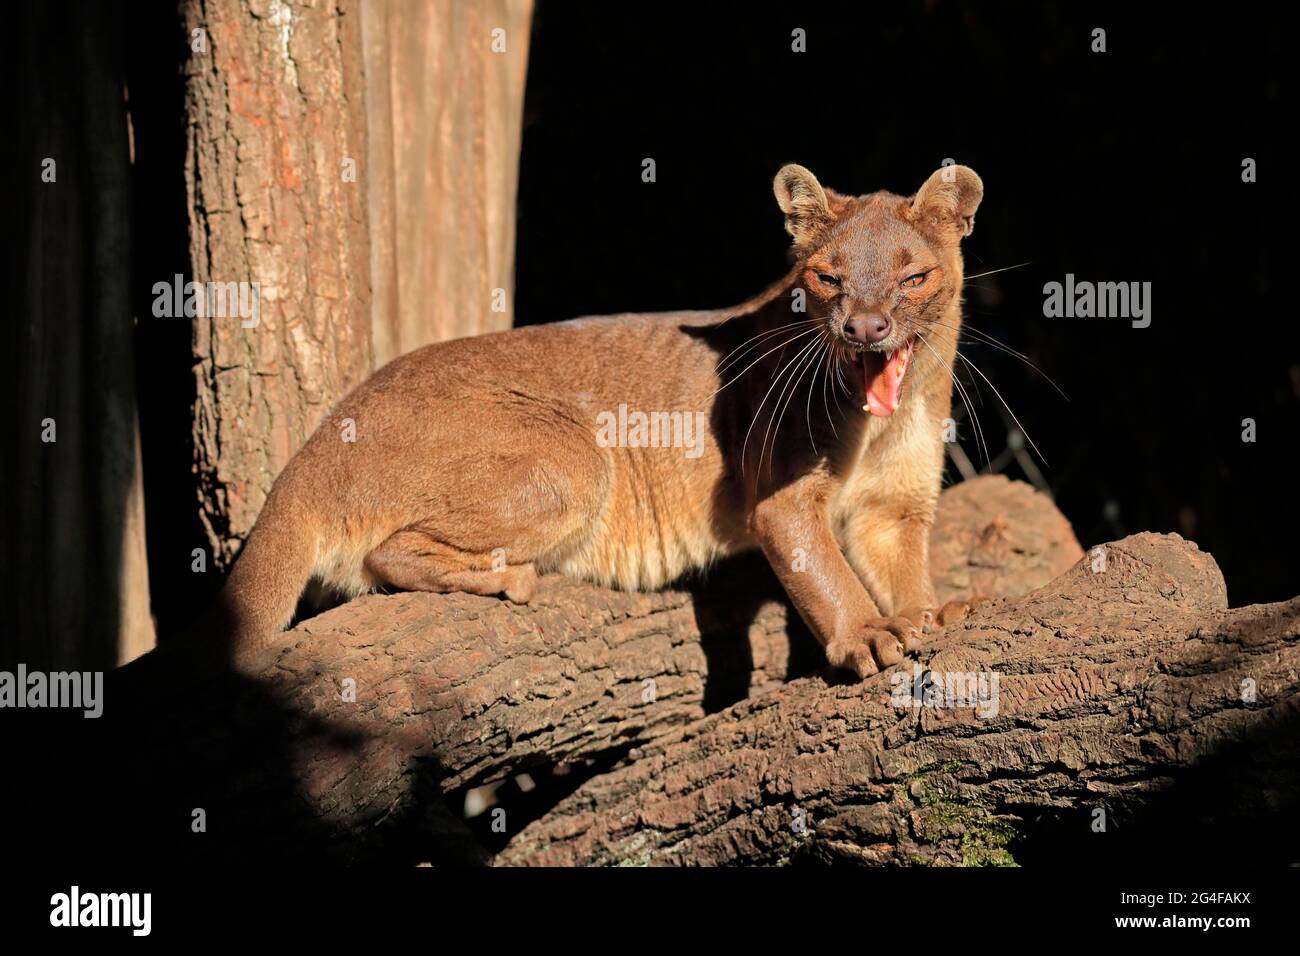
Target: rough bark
[275, 114]
[994, 537]
[1131, 691]
[379, 703]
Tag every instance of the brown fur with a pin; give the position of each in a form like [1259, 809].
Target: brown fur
[486, 447]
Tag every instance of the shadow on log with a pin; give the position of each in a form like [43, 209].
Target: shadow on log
[379, 710]
[1132, 714]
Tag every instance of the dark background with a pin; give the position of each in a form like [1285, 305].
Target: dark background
[1122, 166]
[1115, 166]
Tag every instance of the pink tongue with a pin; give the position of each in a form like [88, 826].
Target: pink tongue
[884, 385]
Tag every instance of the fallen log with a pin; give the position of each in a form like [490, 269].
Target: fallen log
[488, 687]
[377, 709]
[1121, 709]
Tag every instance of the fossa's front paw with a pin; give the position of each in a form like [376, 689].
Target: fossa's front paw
[881, 642]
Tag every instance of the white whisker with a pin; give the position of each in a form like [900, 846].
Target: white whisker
[980, 275]
[780, 374]
[795, 378]
[753, 341]
[1006, 406]
[965, 398]
[797, 335]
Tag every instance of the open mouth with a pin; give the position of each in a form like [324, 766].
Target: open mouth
[882, 378]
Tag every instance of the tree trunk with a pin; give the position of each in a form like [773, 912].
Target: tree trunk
[444, 104]
[74, 589]
[275, 173]
[1133, 710]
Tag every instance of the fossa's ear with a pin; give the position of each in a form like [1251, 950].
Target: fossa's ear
[806, 206]
[947, 202]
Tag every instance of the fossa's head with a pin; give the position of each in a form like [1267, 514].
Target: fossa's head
[880, 270]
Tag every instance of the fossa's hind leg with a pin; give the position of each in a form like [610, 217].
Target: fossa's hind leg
[412, 560]
[490, 527]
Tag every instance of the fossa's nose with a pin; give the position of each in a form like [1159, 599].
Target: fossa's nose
[868, 327]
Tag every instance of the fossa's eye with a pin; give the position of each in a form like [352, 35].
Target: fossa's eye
[912, 281]
[829, 279]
